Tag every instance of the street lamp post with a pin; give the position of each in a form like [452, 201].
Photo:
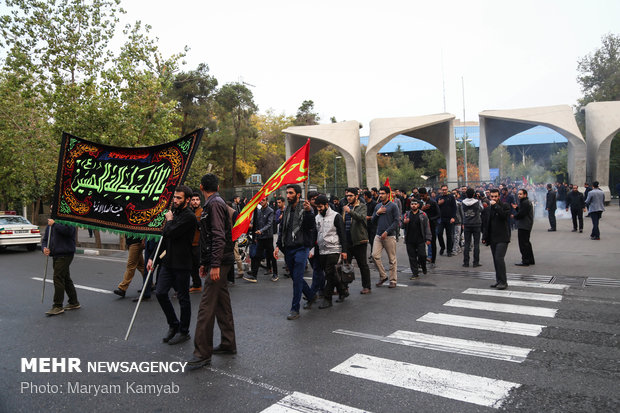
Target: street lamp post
[335, 174]
[464, 134]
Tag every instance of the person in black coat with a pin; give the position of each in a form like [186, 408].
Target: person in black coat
[496, 234]
[551, 206]
[176, 265]
[525, 220]
[431, 209]
[372, 228]
[577, 204]
[59, 243]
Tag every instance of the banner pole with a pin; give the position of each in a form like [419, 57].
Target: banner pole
[144, 287]
[47, 260]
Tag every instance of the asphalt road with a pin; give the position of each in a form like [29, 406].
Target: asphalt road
[394, 350]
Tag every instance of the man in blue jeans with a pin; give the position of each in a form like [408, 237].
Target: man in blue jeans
[295, 238]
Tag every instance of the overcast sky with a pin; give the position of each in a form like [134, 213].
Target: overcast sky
[360, 60]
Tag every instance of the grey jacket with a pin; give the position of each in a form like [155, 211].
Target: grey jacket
[596, 200]
[472, 209]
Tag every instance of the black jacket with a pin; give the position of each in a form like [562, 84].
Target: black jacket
[575, 201]
[63, 240]
[301, 232]
[447, 210]
[525, 214]
[216, 245]
[263, 221]
[495, 226]
[431, 209]
[178, 234]
[551, 198]
[425, 229]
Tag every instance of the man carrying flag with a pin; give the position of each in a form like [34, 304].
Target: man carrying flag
[297, 225]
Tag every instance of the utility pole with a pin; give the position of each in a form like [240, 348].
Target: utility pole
[464, 133]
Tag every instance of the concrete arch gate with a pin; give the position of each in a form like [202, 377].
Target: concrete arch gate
[438, 130]
[498, 125]
[602, 124]
[344, 136]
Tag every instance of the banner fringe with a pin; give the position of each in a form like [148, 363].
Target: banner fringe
[127, 234]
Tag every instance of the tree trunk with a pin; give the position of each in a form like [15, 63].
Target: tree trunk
[97, 239]
[35, 211]
[234, 165]
[122, 242]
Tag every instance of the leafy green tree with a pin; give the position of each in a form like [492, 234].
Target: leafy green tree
[559, 162]
[60, 69]
[305, 115]
[236, 107]
[432, 162]
[500, 158]
[195, 91]
[599, 72]
[400, 169]
[599, 77]
[271, 152]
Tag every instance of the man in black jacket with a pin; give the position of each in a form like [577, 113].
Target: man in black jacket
[577, 204]
[417, 237]
[216, 260]
[431, 209]
[296, 237]
[551, 206]
[447, 211]
[262, 226]
[176, 265]
[370, 227]
[59, 242]
[525, 221]
[496, 233]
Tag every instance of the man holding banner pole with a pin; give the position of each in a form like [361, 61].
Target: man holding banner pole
[176, 265]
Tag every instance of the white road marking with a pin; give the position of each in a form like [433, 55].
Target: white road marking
[531, 284]
[300, 402]
[83, 287]
[488, 324]
[478, 390]
[100, 258]
[503, 308]
[515, 294]
[450, 345]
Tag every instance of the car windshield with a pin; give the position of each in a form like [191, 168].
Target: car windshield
[12, 220]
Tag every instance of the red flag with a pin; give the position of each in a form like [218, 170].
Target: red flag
[387, 183]
[293, 171]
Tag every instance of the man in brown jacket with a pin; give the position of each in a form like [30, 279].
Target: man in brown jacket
[196, 281]
[216, 260]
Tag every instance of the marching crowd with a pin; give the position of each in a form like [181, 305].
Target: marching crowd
[327, 234]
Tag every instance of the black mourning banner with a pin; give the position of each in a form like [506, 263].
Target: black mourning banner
[123, 190]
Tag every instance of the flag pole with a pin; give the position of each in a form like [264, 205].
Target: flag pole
[47, 260]
[144, 287]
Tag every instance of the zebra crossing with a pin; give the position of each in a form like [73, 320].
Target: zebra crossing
[454, 385]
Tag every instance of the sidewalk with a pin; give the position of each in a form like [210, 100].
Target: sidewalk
[560, 253]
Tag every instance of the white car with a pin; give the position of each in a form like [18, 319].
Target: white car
[17, 230]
